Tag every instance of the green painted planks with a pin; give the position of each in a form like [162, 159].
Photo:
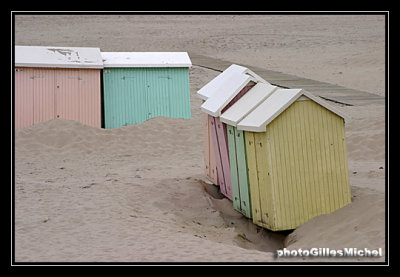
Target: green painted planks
[233, 166]
[133, 95]
[239, 171]
[241, 157]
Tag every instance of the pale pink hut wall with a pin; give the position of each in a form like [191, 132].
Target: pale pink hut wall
[43, 94]
[219, 140]
[23, 98]
[210, 167]
[78, 95]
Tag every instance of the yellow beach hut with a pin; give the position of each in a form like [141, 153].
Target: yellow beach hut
[297, 159]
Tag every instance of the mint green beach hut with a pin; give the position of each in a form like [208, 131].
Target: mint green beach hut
[138, 86]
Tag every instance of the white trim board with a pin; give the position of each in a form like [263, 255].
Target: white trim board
[255, 96]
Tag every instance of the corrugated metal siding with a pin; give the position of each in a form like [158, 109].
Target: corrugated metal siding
[23, 97]
[78, 96]
[298, 168]
[43, 94]
[180, 97]
[123, 102]
[133, 95]
[90, 97]
[67, 94]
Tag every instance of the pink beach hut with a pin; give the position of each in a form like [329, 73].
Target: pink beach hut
[219, 94]
[57, 82]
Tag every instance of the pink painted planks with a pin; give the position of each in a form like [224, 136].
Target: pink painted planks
[43, 94]
[210, 167]
[220, 142]
[215, 142]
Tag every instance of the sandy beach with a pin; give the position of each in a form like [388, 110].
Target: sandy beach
[139, 193]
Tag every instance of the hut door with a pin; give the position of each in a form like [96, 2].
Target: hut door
[157, 81]
[67, 94]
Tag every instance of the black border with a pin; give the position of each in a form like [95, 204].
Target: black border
[169, 265]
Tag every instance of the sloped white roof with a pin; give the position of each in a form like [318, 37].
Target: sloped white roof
[146, 59]
[274, 105]
[233, 85]
[223, 78]
[59, 57]
[247, 103]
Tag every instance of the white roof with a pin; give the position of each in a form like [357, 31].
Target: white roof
[233, 85]
[274, 105]
[247, 103]
[146, 59]
[61, 57]
[221, 80]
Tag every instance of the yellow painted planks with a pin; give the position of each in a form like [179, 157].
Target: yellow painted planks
[263, 177]
[253, 178]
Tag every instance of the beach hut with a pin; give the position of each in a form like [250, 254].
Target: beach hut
[219, 94]
[297, 159]
[57, 82]
[138, 86]
[210, 163]
[236, 144]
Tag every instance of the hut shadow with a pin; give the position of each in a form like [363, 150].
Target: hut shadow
[247, 234]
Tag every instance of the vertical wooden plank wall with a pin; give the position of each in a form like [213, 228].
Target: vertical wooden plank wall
[221, 148]
[213, 160]
[217, 151]
[233, 167]
[239, 175]
[220, 128]
[298, 167]
[242, 172]
[210, 167]
[253, 179]
[206, 146]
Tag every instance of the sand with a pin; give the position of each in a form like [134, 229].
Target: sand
[139, 194]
